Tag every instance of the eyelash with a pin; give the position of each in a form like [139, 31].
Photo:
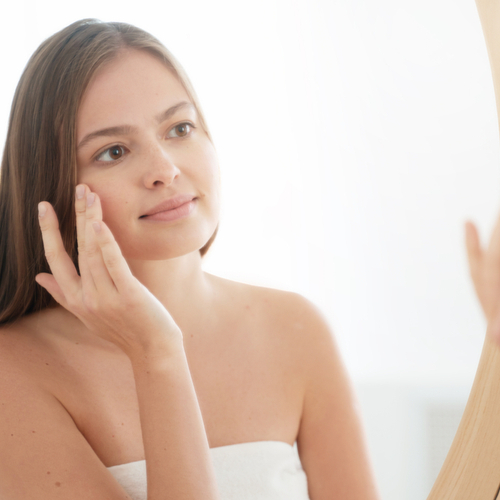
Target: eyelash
[189, 125]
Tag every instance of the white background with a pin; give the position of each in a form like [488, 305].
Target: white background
[355, 138]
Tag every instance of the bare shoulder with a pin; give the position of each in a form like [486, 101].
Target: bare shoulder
[16, 350]
[270, 301]
[282, 315]
[42, 452]
[23, 357]
[24, 349]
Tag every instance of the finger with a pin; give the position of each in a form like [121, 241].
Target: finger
[113, 259]
[474, 251]
[95, 260]
[80, 208]
[50, 284]
[493, 251]
[59, 261]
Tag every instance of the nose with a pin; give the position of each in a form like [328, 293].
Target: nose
[160, 167]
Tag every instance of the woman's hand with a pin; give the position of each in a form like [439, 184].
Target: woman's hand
[106, 297]
[484, 267]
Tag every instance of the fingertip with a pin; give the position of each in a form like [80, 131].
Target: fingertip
[40, 280]
[42, 209]
[80, 191]
[471, 234]
[90, 199]
[469, 226]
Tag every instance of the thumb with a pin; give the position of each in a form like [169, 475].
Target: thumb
[47, 281]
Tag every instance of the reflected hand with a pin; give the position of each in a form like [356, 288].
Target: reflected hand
[106, 297]
[484, 267]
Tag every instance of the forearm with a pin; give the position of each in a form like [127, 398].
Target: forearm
[176, 448]
[489, 13]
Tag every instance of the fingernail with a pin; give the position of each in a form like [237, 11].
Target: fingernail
[97, 226]
[80, 191]
[42, 209]
[90, 199]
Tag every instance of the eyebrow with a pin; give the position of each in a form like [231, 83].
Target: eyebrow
[128, 129]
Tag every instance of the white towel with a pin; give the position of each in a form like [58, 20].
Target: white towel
[261, 470]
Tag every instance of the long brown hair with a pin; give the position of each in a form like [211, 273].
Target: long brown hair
[39, 159]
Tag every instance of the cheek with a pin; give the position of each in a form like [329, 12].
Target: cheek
[211, 190]
[209, 171]
[114, 210]
[115, 206]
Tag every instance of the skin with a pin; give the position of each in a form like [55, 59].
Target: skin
[263, 362]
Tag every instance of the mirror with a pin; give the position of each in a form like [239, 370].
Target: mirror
[355, 138]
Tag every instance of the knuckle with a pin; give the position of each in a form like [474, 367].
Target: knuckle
[44, 226]
[111, 261]
[92, 251]
[48, 225]
[51, 255]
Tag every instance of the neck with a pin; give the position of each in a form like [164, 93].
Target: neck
[179, 284]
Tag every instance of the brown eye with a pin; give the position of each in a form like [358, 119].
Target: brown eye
[181, 130]
[112, 154]
[115, 152]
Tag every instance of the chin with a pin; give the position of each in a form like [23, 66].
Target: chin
[172, 248]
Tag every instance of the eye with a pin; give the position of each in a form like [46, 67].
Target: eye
[181, 130]
[111, 154]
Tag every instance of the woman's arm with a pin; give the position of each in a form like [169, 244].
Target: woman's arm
[330, 441]
[178, 461]
[42, 453]
[44, 456]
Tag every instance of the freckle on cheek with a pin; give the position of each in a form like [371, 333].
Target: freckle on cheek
[58, 484]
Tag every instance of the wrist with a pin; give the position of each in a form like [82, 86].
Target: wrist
[157, 354]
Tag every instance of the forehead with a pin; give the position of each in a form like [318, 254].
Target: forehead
[131, 89]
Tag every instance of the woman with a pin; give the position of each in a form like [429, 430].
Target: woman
[127, 356]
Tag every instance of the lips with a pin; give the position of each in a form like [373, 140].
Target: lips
[170, 204]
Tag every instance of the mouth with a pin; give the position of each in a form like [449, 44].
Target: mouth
[170, 205]
[178, 211]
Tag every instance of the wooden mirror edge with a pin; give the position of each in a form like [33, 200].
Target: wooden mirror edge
[471, 470]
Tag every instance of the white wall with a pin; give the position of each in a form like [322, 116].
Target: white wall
[355, 137]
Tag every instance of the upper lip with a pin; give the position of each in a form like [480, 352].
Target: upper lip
[170, 204]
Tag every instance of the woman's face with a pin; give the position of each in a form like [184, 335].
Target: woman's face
[140, 143]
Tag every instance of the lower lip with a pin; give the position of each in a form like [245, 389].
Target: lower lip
[174, 214]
